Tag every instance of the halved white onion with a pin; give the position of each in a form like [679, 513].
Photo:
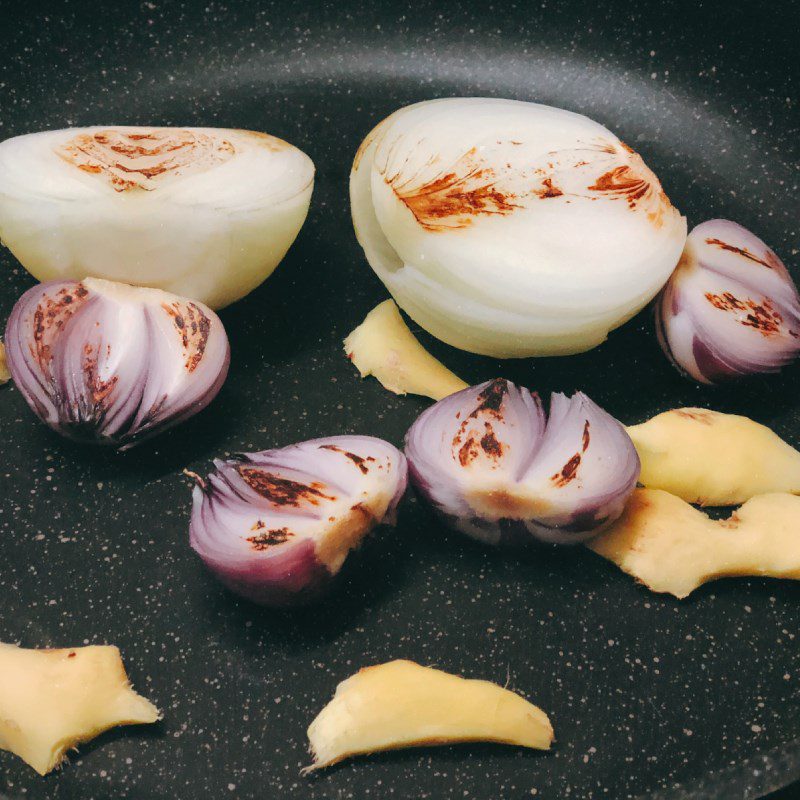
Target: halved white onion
[206, 213]
[509, 228]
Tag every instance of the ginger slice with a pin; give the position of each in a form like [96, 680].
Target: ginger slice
[402, 704]
[714, 459]
[672, 547]
[52, 700]
[383, 346]
[5, 375]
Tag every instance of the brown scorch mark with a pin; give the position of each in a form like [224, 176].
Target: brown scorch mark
[282, 491]
[266, 539]
[568, 472]
[453, 199]
[99, 390]
[770, 260]
[130, 160]
[193, 327]
[548, 190]
[763, 316]
[703, 417]
[49, 319]
[634, 182]
[469, 444]
[359, 461]
[491, 398]
[622, 181]
[490, 444]
[586, 438]
[468, 451]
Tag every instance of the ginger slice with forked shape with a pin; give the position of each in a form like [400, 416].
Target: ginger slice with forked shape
[713, 459]
[672, 547]
[402, 704]
[52, 700]
[383, 346]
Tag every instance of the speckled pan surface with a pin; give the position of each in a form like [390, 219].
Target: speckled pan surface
[645, 692]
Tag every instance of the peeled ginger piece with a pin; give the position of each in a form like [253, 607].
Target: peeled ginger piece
[383, 346]
[5, 375]
[402, 704]
[672, 547]
[714, 459]
[52, 700]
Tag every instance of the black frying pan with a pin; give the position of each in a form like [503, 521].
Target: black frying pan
[650, 697]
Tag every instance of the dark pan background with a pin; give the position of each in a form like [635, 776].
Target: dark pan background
[650, 697]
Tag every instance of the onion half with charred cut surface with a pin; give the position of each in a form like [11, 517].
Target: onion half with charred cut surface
[497, 468]
[113, 364]
[511, 229]
[731, 309]
[207, 213]
[277, 525]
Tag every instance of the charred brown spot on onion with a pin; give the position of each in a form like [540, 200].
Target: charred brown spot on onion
[490, 444]
[283, 491]
[50, 317]
[770, 261]
[130, 160]
[637, 185]
[491, 398]
[490, 403]
[586, 437]
[453, 199]
[266, 539]
[764, 317]
[548, 190]
[468, 451]
[359, 461]
[99, 389]
[193, 327]
[568, 472]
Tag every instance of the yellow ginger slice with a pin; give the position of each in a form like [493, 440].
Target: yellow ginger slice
[5, 375]
[383, 346]
[714, 459]
[672, 547]
[402, 704]
[52, 700]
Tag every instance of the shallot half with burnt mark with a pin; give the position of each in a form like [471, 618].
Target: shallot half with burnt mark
[114, 364]
[276, 526]
[495, 466]
[731, 308]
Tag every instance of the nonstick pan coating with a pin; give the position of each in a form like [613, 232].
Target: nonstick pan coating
[650, 697]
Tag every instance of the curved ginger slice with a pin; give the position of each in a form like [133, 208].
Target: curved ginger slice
[5, 375]
[714, 459]
[672, 547]
[383, 346]
[52, 700]
[402, 704]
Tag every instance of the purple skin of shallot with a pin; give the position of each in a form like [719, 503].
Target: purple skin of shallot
[730, 308]
[276, 526]
[497, 468]
[113, 364]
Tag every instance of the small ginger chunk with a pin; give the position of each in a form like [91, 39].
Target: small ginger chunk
[714, 459]
[5, 375]
[52, 700]
[672, 547]
[383, 346]
[402, 704]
